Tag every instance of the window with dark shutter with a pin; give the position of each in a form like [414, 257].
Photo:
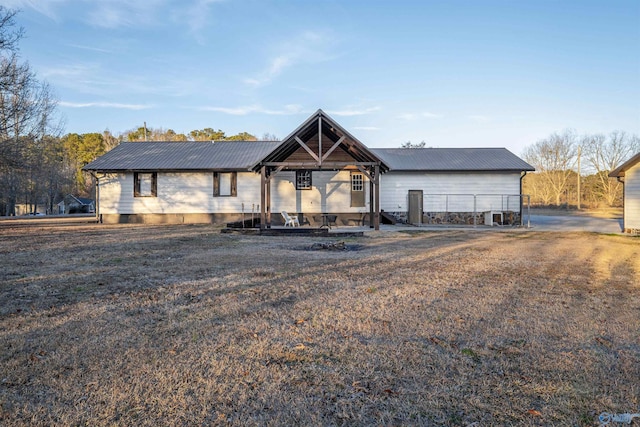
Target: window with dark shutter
[225, 184]
[145, 184]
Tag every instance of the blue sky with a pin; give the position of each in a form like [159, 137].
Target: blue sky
[451, 73]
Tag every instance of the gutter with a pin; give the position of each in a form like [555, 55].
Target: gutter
[621, 180]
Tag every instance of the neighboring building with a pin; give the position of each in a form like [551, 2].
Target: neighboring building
[629, 174]
[319, 168]
[29, 209]
[75, 205]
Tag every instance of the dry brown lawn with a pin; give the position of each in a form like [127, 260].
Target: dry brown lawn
[183, 325]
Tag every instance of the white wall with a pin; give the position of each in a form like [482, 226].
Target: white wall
[330, 192]
[178, 193]
[460, 187]
[632, 197]
[183, 193]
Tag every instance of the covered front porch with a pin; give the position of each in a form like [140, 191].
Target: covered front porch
[321, 172]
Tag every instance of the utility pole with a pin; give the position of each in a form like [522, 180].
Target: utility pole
[579, 195]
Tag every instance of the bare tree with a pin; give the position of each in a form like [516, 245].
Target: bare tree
[604, 154]
[26, 117]
[410, 144]
[554, 158]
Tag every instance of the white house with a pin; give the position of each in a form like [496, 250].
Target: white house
[318, 169]
[629, 174]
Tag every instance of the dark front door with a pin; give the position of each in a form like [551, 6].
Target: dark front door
[415, 206]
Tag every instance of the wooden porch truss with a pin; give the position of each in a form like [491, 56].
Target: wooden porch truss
[304, 149]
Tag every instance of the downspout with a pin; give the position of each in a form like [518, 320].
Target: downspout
[522, 175]
[621, 180]
[98, 217]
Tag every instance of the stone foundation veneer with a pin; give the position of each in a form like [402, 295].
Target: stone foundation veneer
[457, 218]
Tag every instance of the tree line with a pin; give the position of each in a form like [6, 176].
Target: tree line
[573, 170]
[45, 169]
[38, 164]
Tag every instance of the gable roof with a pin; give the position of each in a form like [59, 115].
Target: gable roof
[620, 170]
[80, 200]
[321, 123]
[183, 156]
[452, 159]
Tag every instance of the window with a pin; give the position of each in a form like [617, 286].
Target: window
[357, 182]
[225, 184]
[303, 180]
[357, 190]
[145, 184]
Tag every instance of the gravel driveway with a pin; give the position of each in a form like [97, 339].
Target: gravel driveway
[575, 223]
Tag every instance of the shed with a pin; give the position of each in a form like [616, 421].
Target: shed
[629, 174]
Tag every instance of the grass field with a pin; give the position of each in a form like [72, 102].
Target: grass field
[181, 325]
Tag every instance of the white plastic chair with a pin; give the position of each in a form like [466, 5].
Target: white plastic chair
[290, 221]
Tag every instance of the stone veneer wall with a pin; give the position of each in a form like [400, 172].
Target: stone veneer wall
[458, 218]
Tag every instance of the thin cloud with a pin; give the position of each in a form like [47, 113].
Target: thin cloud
[46, 8]
[353, 112]
[90, 48]
[97, 81]
[249, 109]
[124, 13]
[310, 47]
[103, 13]
[115, 105]
[197, 15]
[71, 72]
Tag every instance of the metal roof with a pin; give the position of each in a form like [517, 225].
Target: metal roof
[451, 159]
[245, 155]
[184, 156]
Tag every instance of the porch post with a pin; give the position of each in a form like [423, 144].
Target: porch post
[268, 201]
[372, 186]
[376, 186]
[263, 183]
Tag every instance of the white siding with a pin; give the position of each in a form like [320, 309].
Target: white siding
[330, 192]
[178, 193]
[395, 186]
[184, 193]
[632, 197]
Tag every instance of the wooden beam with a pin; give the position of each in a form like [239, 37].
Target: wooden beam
[309, 150]
[274, 172]
[331, 165]
[365, 172]
[320, 140]
[333, 147]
